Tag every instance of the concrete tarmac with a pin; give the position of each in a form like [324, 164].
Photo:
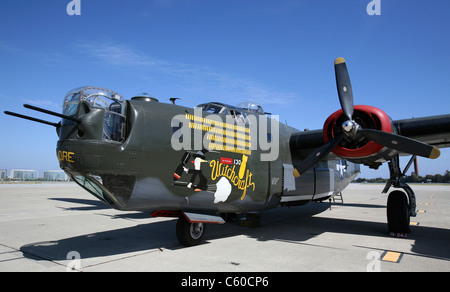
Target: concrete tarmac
[61, 227]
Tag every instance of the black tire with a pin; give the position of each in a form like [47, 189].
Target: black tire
[190, 234]
[398, 212]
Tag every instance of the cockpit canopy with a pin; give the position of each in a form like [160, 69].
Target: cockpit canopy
[251, 107]
[225, 109]
[239, 112]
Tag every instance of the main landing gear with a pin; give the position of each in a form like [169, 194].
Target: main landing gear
[401, 205]
[191, 227]
[188, 233]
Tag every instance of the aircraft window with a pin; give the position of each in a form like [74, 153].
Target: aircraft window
[114, 127]
[240, 117]
[214, 109]
[94, 185]
[114, 120]
[251, 106]
[89, 184]
[71, 104]
[97, 100]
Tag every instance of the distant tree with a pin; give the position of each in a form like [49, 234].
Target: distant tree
[436, 178]
[446, 178]
[361, 180]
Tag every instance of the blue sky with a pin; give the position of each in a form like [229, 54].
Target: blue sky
[277, 52]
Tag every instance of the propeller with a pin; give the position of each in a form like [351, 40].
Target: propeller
[344, 87]
[351, 129]
[317, 155]
[401, 143]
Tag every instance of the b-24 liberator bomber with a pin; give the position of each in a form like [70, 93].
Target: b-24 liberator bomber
[208, 163]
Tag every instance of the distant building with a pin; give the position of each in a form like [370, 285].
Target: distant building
[24, 174]
[3, 174]
[55, 175]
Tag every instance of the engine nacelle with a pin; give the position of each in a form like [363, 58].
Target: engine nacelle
[359, 149]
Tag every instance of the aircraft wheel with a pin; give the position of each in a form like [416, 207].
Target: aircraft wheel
[398, 212]
[190, 234]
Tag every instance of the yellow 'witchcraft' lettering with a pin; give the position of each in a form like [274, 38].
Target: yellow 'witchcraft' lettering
[228, 171]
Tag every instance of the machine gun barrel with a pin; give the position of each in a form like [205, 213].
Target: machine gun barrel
[51, 113]
[32, 119]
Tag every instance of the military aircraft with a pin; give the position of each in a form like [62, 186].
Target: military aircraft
[205, 164]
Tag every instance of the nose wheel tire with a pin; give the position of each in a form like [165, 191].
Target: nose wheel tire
[190, 234]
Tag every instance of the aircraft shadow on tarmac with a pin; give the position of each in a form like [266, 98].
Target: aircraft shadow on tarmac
[91, 204]
[99, 205]
[295, 225]
[428, 241]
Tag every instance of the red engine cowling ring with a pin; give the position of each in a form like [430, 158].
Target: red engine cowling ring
[377, 117]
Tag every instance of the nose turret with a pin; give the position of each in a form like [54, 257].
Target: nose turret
[101, 112]
[91, 151]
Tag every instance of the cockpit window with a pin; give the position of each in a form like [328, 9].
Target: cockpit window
[240, 117]
[113, 104]
[71, 104]
[219, 108]
[252, 107]
[215, 109]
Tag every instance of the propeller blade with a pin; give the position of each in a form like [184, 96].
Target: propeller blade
[316, 156]
[344, 87]
[401, 143]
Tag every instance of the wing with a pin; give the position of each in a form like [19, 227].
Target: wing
[434, 130]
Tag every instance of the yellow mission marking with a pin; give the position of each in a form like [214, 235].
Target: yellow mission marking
[206, 122]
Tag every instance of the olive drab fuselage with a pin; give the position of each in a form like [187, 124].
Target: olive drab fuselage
[123, 153]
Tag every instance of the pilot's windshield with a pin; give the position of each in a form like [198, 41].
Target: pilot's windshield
[113, 104]
[215, 109]
[251, 106]
[219, 108]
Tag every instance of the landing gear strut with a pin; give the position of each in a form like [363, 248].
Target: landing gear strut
[401, 205]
